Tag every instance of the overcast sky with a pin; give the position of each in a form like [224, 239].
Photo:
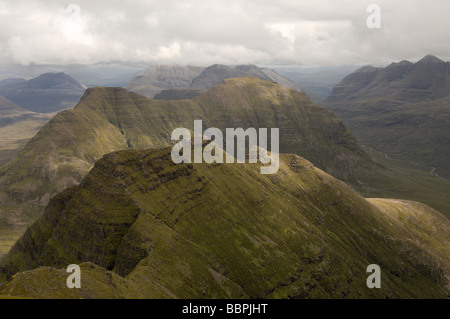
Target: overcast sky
[281, 32]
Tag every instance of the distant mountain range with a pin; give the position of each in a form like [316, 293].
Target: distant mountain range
[141, 226]
[157, 78]
[47, 93]
[402, 110]
[178, 81]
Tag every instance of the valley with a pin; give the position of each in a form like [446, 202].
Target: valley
[415, 182]
[17, 127]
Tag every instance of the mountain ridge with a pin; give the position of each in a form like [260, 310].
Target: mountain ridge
[161, 230]
[402, 110]
[158, 78]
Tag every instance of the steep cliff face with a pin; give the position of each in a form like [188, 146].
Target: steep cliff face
[142, 226]
[110, 119]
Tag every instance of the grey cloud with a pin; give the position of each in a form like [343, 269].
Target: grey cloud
[322, 32]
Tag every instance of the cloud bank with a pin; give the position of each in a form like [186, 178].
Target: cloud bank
[283, 32]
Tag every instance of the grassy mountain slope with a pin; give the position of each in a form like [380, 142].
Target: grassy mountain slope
[109, 119]
[413, 181]
[178, 94]
[402, 110]
[215, 74]
[418, 132]
[8, 237]
[145, 227]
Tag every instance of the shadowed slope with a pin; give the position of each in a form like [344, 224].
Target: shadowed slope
[402, 110]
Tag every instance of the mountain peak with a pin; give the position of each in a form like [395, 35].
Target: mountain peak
[157, 78]
[55, 80]
[400, 64]
[429, 58]
[99, 92]
[47, 93]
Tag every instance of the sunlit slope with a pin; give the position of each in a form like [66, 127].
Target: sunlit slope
[145, 227]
